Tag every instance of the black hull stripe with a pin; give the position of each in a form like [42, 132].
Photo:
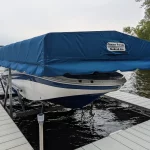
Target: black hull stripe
[60, 85]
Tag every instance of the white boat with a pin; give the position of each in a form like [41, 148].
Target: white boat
[73, 91]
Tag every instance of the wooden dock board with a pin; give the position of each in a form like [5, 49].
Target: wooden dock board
[128, 98]
[11, 137]
[134, 138]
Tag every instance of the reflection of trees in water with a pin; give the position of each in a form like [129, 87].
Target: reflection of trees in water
[138, 82]
[130, 85]
[143, 83]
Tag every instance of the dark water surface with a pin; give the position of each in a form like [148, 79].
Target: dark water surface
[72, 129]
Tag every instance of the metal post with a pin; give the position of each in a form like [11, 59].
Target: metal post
[40, 118]
[10, 93]
[6, 93]
[2, 86]
[20, 101]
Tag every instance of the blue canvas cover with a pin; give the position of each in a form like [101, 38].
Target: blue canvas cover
[55, 54]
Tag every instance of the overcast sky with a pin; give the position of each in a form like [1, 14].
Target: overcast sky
[22, 19]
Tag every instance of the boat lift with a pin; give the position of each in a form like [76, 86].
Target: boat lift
[10, 110]
[20, 107]
[10, 105]
[8, 91]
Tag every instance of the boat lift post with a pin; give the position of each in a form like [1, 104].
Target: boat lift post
[6, 94]
[10, 93]
[40, 118]
[2, 85]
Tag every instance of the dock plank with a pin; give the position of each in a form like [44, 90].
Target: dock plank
[139, 134]
[8, 131]
[4, 122]
[11, 137]
[147, 123]
[6, 117]
[80, 149]
[91, 147]
[22, 147]
[3, 114]
[142, 130]
[127, 142]
[13, 143]
[130, 99]
[7, 126]
[145, 126]
[110, 144]
[135, 139]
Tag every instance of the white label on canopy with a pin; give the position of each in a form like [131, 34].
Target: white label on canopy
[114, 46]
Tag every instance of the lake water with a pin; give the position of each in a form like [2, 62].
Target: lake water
[72, 129]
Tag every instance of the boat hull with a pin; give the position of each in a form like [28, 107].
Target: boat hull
[33, 90]
[66, 94]
[78, 101]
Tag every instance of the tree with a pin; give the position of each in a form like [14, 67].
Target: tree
[142, 30]
[146, 5]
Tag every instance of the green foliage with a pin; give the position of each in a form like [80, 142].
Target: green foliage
[142, 30]
[146, 5]
[129, 30]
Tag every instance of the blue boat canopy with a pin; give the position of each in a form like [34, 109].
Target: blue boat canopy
[55, 54]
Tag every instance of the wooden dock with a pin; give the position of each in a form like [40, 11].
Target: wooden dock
[131, 99]
[11, 137]
[134, 138]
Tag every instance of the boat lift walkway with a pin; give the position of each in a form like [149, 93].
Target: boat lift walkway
[11, 137]
[134, 138]
[134, 100]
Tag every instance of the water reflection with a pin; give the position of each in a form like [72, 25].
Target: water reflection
[138, 82]
[72, 129]
[130, 85]
[143, 83]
